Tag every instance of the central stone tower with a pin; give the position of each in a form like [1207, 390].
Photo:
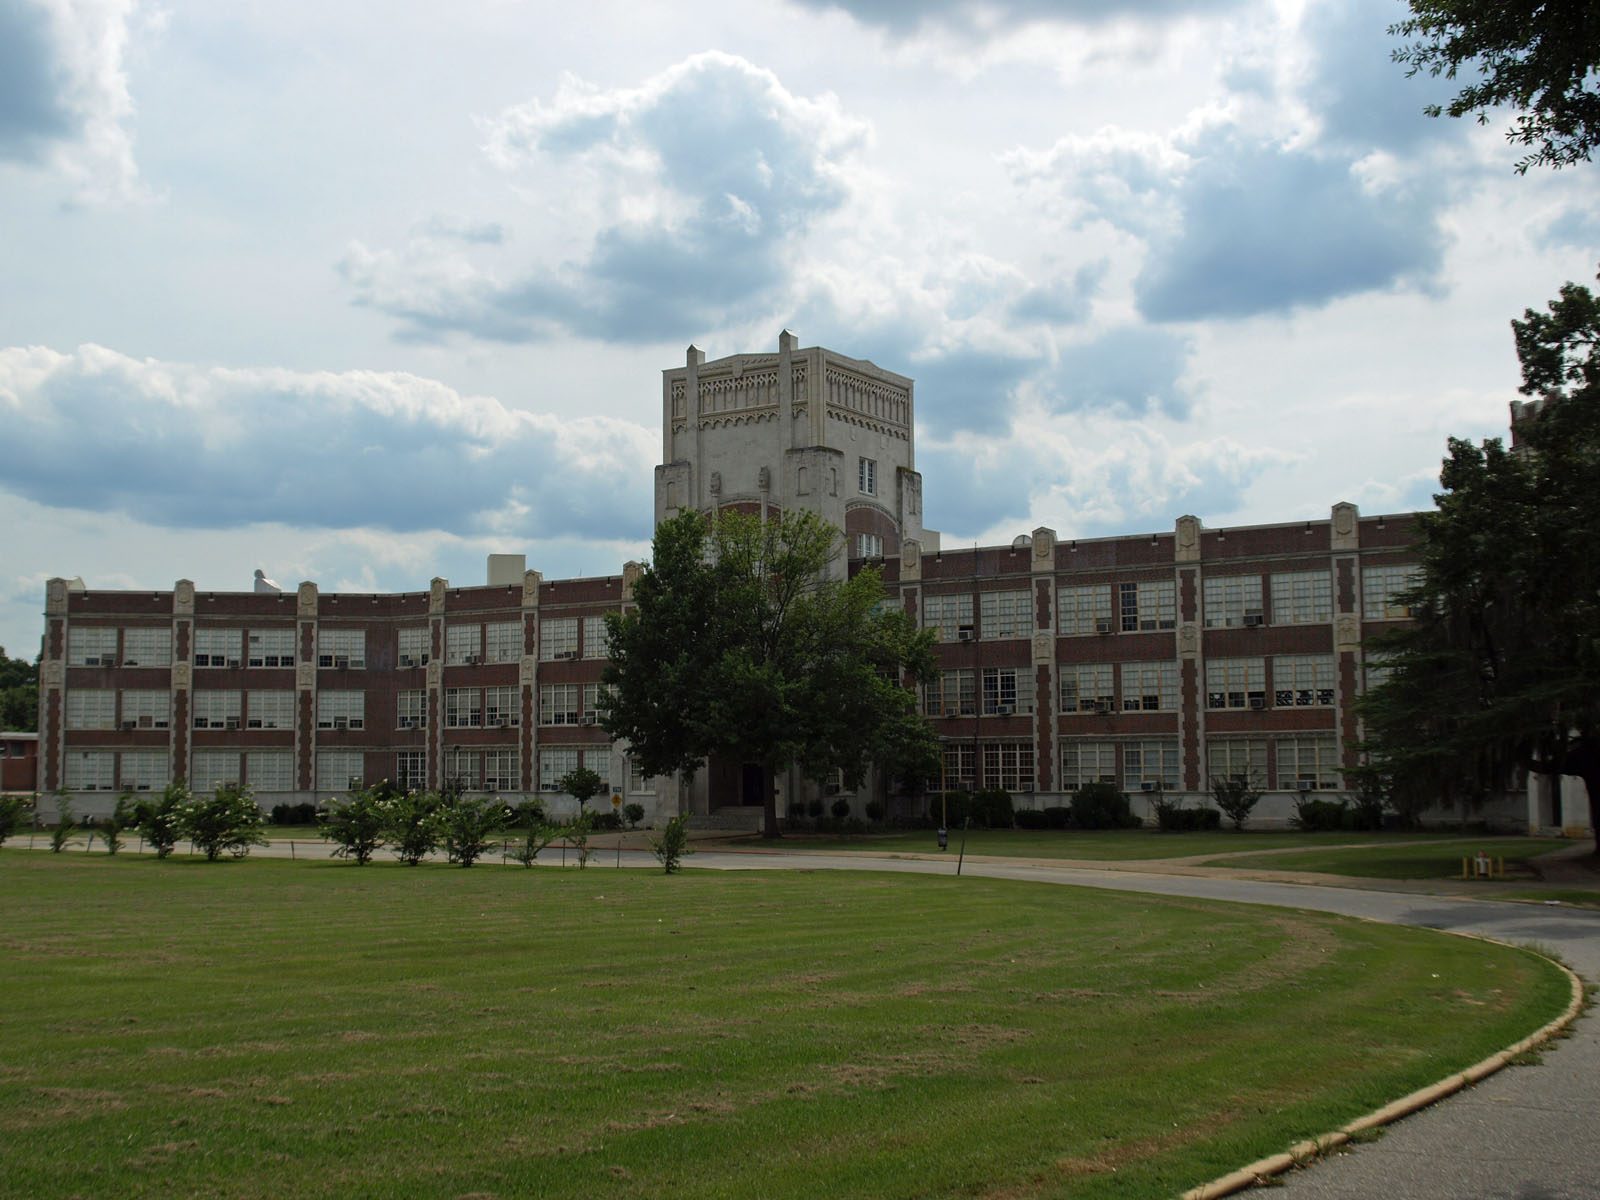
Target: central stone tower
[802, 428]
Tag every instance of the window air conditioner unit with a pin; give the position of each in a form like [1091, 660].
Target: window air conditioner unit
[1005, 710]
[91, 660]
[588, 719]
[470, 660]
[130, 662]
[497, 722]
[408, 722]
[231, 723]
[130, 724]
[1147, 786]
[341, 662]
[964, 634]
[1258, 702]
[951, 710]
[233, 663]
[341, 722]
[1102, 626]
[1252, 618]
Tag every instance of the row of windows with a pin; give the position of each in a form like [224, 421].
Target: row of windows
[273, 770]
[337, 649]
[1297, 762]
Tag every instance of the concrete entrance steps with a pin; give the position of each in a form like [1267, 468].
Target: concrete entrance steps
[729, 819]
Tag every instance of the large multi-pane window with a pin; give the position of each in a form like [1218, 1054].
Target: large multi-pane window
[90, 770]
[91, 646]
[558, 639]
[1379, 588]
[1087, 762]
[1007, 690]
[1150, 686]
[218, 648]
[91, 708]
[1310, 762]
[463, 708]
[146, 709]
[1233, 757]
[214, 768]
[1150, 765]
[340, 770]
[416, 646]
[462, 644]
[949, 694]
[143, 770]
[146, 646]
[502, 642]
[594, 637]
[1236, 683]
[270, 770]
[959, 761]
[411, 709]
[341, 710]
[500, 770]
[1232, 600]
[502, 706]
[1302, 597]
[558, 704]
[1148, 605]
[638, 781]
[215, 709]
[1084, 609]
[269, 710]
[1006, 614]
[1302, 680]
[342, 649]
[950, 615]
[869, 545]
[1008, 765]
[463, 769]
[271, 648]
[559, 761]
[1086, 687]
[867, 476]
[591, 703]
[411, 769]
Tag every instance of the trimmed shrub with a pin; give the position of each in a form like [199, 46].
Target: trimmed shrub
[875, 810]
[1173, 817]
[1102, 806]
[1057, 816]
[840, 808]
[1031, 818]
[1320, 816]
[994, 807]
[634, 813]
[608, 822]
[813, 810]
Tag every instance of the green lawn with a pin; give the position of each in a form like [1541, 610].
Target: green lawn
[274, 1029]
[1380, 861]
[1121, 845]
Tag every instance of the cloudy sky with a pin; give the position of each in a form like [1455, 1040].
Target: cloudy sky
[361, 292]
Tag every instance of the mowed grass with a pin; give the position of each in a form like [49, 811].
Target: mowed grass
[1120, 845]
[274, 1029]
[1405, 861]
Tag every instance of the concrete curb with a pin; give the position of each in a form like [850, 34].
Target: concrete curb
[1304, 1152]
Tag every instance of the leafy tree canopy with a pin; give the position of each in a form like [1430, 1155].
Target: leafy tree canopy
[740, 646]
[1542, 57]
[19, 694]
[1501, 667]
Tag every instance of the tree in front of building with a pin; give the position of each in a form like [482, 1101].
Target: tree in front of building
[1540, 57]
[159, 821]
[225, 821]
[582, 784]
[19, 694]
[1499, 670]
[741, 647]
[356, 824]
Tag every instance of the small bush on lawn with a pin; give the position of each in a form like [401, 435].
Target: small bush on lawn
[160, 822]
[1102, 806]
[995, 806]
[840, 808]
[467, 826]
[12, 809]
[634, 813]
[1057, 816]
[122, 817]
[228, 820]
[875, 810]
[409, 827]
[356, 823]
[1235, 795]
[1320, 816]
[814, 809]
[1031, 818]
[608, 822]
[294, 814]
[65, 824]
[673, 843]
[1173, 817]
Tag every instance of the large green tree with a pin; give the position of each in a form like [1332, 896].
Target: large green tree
[1500, 670]
[1540, 57]
[19, 694]
[742, 647]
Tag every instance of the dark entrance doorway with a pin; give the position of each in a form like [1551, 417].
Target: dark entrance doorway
[753, 785]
